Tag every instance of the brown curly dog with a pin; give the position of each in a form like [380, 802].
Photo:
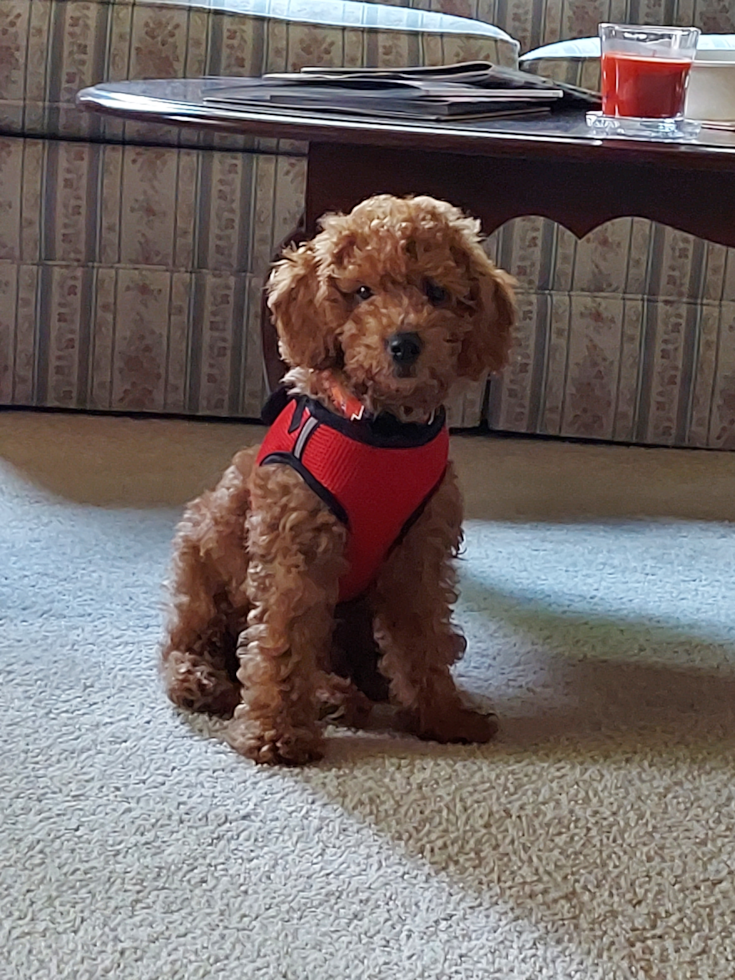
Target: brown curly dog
[318, 576]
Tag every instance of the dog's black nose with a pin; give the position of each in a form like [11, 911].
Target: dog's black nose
[405, 348]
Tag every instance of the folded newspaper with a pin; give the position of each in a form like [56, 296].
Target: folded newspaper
[465, 91]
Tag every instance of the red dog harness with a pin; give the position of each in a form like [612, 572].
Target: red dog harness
[375, 475]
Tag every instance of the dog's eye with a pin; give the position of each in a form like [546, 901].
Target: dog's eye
[435, 293]
[363, 293]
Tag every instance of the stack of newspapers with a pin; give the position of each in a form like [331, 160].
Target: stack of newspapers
[475, 90]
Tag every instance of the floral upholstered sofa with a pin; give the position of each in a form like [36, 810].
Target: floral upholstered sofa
[132, 257]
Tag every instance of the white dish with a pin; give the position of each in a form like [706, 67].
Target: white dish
[711, 89]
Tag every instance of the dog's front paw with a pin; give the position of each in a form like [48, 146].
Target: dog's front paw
[458, 725]
[274, 747]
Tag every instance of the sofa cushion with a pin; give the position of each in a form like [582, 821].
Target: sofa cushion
[49, 49]
[578, 61]
[537, 22]
[131, 277]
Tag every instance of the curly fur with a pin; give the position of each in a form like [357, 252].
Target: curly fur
[255, 631]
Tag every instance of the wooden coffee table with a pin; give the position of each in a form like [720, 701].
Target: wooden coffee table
[497, 170]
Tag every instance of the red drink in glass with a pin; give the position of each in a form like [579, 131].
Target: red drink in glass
[651, 88]
[645, 70]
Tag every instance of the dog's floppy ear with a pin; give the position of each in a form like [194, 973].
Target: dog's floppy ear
[492, 301]
[298, 298]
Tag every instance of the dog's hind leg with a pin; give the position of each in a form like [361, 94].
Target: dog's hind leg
[209, 607]
[199, 665]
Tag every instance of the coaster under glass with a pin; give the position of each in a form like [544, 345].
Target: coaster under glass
[656, 129]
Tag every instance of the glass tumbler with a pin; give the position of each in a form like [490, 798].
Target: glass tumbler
[644, 76]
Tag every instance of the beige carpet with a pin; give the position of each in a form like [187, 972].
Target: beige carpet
[594, 841]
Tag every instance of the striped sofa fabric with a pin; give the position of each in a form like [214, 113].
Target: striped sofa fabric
[627, 335]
